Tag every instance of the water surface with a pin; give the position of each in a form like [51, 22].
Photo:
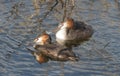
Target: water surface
[20, 23]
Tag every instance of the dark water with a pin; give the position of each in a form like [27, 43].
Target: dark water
[20, 23]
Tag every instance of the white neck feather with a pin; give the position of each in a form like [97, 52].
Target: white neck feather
[61, 34]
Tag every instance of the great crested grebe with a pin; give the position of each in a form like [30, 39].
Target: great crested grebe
[53, 51]
[71, 30]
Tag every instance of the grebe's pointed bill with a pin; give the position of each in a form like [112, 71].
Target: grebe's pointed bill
[38, 40]
[58, 27]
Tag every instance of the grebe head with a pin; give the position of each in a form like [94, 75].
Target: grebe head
[67, 24]
[63, 29]
[43, 39]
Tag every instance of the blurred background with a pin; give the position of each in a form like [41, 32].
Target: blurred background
[22, 20]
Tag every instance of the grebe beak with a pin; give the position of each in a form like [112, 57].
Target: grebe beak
[58, 28]
[35, 39]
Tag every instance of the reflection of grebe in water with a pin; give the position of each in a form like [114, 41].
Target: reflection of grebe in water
[73, 32]
[39, 57]
[53, 51]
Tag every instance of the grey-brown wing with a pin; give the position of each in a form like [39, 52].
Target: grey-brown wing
[49, 50]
